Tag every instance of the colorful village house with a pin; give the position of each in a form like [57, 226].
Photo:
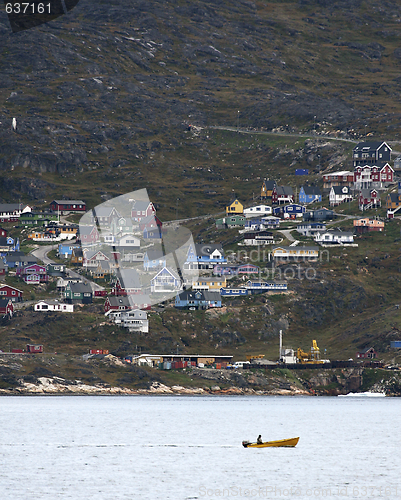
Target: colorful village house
[235, 208]
[33, 274]
[78, 293]
[339, 194]
[11, 212]
[369, 198]
[257, 210]
[367, 225]
[142, 210]
[9, 292]
[67, 206]
[282, 195]
[267, 188]
[166, 280]
[309, 194]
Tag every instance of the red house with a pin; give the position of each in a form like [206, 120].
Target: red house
[369, 198]
[88, 234]
[368, 353]
[127, 282]
[3, 232]
[9, 292]
[124, 303]
[68, 206]
[142, 209]
[282, 194]
[151, 222]
[34, 349]
[33, 274]
[6, 307]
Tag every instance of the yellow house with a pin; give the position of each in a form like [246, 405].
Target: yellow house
[211, 284]
[285, 253]
[235, 208]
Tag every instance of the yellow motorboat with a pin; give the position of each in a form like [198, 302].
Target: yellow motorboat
[281, 443]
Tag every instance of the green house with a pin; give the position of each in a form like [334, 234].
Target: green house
[231, 221]
[78, 292]
[37, 218]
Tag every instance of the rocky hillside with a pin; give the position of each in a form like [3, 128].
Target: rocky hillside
[103, 95]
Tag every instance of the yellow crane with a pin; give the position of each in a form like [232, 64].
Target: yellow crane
[309, 358]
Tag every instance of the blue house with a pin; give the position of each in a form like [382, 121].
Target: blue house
[166, 280]
[308, 194]
[154, 260]
[152, 233]
[291, 211]
[65, 250]
[189, 299]
[204, 256]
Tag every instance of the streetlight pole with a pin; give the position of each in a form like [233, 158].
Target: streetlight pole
[238, 122]
[314, 125]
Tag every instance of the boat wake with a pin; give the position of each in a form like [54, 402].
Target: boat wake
[364, 394]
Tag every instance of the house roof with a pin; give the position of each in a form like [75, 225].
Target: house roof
[270, 185]
[341, 173]
[11, 207]
[21, 258]
[155, 255]
[128, 301]
[12, 287]
[91, 253]
[80, 287]
[311, 190]
[86, 230]
[367, 193]
[170, 271]
[296, 248]
[284, 191]
[69, 202]
[393, 197]
[370, 146]
[208, 248]
[340, 190]
[102, 211]
[141, 205]
[128, 278]
[199, 295]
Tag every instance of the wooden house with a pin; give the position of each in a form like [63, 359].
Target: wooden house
[393, 201]
[295, 253]
[258, 210]
[154, 260]
[319, 215]
[166, 280]
[376, 176]
[235, 269]
[311, 228]
[309, 194]
[282, 195]
[211, 284]
[91, 258]
[371, 152]
[291, 211]
[11, 212]
[258, 238]
[267, 188]
[197, 299]
[366, 225]
[88, 235]
[334, 237]
[115, 303]
[141, 210]
[235, 207]
[78, 293]
[67, 206]
[368, 353]
[231, 221]
[9, 292]
[339, 194]
[65, 250]
[369, 198]
[33, 274]
[104, 216]
[127, 282]
[53, 306]
[335, 179]
[16, 260]
[77, 256]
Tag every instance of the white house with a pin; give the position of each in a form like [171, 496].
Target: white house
[53, 305]
[311, 228]
[135, 320]
[258, 210]
[334, 237]
[339, 194]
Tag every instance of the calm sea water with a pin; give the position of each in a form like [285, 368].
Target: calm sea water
[172, 447]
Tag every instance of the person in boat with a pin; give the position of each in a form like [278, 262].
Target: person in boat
[259, 440]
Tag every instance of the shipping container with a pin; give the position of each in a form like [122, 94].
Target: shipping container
[95, 351]
[301, 171]
[105, 351]
[396, 344]
[218, 366]
[100, 293]
[17, 350]
[32, 348]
